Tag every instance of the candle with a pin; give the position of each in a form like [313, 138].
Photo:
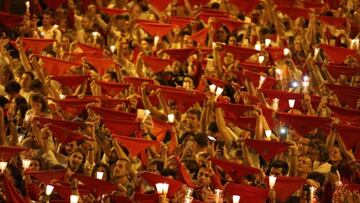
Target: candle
[267, 42]
[217, 195]
[26, 163]
[294, 84]
[49, 189]
[3, 165]
[112, 48]
[261, 81]
[62, 96]
[99, 175]
[306, 78]
[312, 193]
[268, 134]
[236, 198]
[261, 59]
[74, 199]
[219, 90]
[272, 181]
[27, 3]
[156, 40]
[212, 88]
[286, 51]
[56, 26]
[316, 52]
[171, 118]
[258, 47]
[291, 103]
[95, 34]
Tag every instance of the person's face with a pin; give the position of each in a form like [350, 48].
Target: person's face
[120, 169]
[297, 45]
[34, 165]
[232, 41]
[203, 178]
[334, 154]
[86, 23]
[304, 164]
[65, 43]
[75, 161]
[145, 45]
[189, 148]
[193, 121]
[302, 144]
[276, 172]
[70, 147]
[25, 81]
[228, 58]
[36, 106]
[221, 35]
[136, 12]
[153, 169]
[188, 83]
[47, 20]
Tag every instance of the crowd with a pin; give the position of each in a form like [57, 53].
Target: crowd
[180, 101]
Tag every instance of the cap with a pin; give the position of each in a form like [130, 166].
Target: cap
[240, 53]
[200, 36]
[112, 114]
[247, 193]
[101, 64]
[231, 24]
[346, 116]
[180, 21]
[235, 170]
[337, 22]
[54, 66]
[179, 54]
[267, 149]
[184, 175]
[217, 82]
[156, 29]
[254, 77]
[47, 177]
[121, 127]
[11, 192]
[112, 88]
[63, 135]
[71, 81]
[70, 125]
[113, 11]
[350, 135]
[36, 45]
[99, 52]
[10, 20]
[156, 64]
[245, 6]
[6, 152]
[337, 54]
[183, 99]
[285, 186]
[336, 70]
[293, 12]
[54, 4]
[96, 186]
[153, 179]
[304, 124]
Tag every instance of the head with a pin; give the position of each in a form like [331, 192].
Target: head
[335, 155]
[304, 165]
[76, 161]
[5, 74]
[228, 58]
[87, 22]
[70, 147]
[121, 168]
[155, 166]
[278, 168]
[100, 167]
[12, 88]
[193, 119]
[65, 42]
[38, 103]
[25, 80]
[203, 177]
[48, 18]
[37, 164]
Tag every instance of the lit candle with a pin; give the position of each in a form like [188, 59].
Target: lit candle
[306, 78]
[272, 181]
[258, 47]
[159, 188]
[286, 51]
[282, 130]
[74, 199]
[62, 96]
[26, 163]
[171, 118]
[219, 90]
[312, 193]
[278, 74]
[291, 103]
[95, 34]
[236, 198]
[112, 48]
[268, 134]
[294, 84]
[212, 88]
[217, 195]
[27, 3]
[49, 190]
[3, 165]
[156, 40]
[261, 59]
[261, 81]
[267, 42]
[316, 52]
[56, 26]
[99, 175]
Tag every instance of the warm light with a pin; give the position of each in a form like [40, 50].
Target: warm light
[171, 118]
[294, 84]
[95, 34]
[49, 190]
[316, 52]
[156, 40]
[189, 192]
[62, 96]
[162, 188]
[212, 88]
[218, 193]
[27, 3]
[283, 131]
[56, 26]
[267, 42]
[278, 74]
[291, 103]
[306, 78]
[258, 47]
[3, 165]
[312, 193]
[112, 48]
[275, 104]
[261, 81]
[261, 59]
[219, 90]
[272, 181]
[74, 199]
[26, 163]
[286, 51]
[268, 134]
[354, 43]
[147, 112]
[99, 175]
[235, 198]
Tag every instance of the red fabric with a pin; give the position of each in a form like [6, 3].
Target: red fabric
[285, 186]
[10, 20]
[98, 187]
[74, 106]
[113, 11]
[276, 53]
[54, 4]
[65, 191]
[217, 82]
[112, 103]
[194, 2]
[267, 149]
[352, 187]
[71, 81]
[112, 88]
[337, 54]
[350, 135]
[268, 114]
[205, 14]
[303, 124]
[247, 193]
[135, 145]
[346, 94]
[337, 22]
[184, 100]
[180, 21]
[255, 67]
[63, 135]
[121, 127]
[6, 152]
[152, 179]
[294, 13]
[11, 192]
[240, 53]
[54, 66]
[36, 45]
[243, 122]
[234, 110]
[156, 64]
[137, 82]
[99, 52]
[146, 198]
[245, 6]
[343, 88]
[116, 198]
[231, 24]
[254, 77]
[200, 36]
[160, 129]
[235, 170]
[101, 64]
[346, 115]
[111, 114]
[78, 57]
[156, 29]
[160, 5]
[205, 51]
[179, 54]
[70, 125]
[336, 70]
[184, 175]
[47, 177]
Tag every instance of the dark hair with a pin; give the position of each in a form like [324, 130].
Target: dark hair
[196, 112]
[12, 87]
[213, 127]
[39, 98]
[185, 136]
[19, 101]
[17, 175]
[35, 84]
[316, 176]
[107, 170]
[201, 139]
[3, 101]
[22, 109]
[81, 168]
[191, 165]
[169, 172]
[41, 162]
[49, 12]
[279, 164]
